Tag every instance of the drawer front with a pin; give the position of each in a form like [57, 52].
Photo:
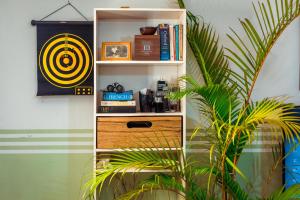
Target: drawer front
[131, 132]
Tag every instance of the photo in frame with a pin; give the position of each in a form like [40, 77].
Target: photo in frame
[116, 51]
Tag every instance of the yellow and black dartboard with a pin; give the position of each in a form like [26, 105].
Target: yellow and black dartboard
[65, 60]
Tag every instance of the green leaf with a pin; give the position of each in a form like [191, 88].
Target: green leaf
[285, 12]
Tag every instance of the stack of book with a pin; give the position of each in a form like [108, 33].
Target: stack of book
[171, 42]
[117, 102]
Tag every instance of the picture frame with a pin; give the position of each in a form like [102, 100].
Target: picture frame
[116, 51]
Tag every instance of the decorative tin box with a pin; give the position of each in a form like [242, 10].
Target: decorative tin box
[147, 47]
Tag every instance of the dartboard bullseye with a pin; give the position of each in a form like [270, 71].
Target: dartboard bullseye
[66, 60]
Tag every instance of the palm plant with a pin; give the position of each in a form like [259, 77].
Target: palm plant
[231, 117]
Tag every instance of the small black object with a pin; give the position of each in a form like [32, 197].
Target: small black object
[146, 101]
[159, 104]
[115, 87]
[159, 107]
[162, 85]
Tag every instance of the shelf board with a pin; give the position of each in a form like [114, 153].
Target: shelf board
[138, 114]
[139, 62]
[133, 149]
[138, 13]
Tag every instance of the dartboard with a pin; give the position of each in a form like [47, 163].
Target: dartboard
[65, 60]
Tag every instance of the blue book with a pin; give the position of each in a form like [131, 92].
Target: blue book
[164, 42]
[177, 41]
[118, 96]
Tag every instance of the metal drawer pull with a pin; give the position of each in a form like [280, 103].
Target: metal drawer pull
[139, 124]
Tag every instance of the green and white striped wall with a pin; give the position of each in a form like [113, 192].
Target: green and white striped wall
[44, 164]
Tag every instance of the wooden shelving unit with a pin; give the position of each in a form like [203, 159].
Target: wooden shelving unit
[120, 24]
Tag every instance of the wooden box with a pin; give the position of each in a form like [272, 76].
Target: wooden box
[133, 132]
[147, 47]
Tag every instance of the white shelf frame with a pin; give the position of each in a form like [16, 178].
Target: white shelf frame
[136, 14]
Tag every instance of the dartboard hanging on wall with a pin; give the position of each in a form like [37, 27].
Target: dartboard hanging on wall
[65, 59]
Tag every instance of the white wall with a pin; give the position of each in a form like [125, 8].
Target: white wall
[280, 75]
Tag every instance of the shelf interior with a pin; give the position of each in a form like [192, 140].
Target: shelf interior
[136, 77]
[123, 24]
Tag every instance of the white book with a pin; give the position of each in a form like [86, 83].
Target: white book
[171, 33]
[118, 103]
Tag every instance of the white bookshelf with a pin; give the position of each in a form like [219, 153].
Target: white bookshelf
[121, 24]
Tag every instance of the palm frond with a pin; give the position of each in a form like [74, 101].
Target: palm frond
[156, 182]
[210, 58]
[219, 97]
[276, 113]
[134, 160]
[181, 4]
[292, 192]
[272, 18]
[204, 43]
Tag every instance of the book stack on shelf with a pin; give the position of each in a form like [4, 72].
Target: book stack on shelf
[171, 42]
[117, 102]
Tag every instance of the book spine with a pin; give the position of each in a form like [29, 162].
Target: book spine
[114, 96]
[117, 109]
[164, 42]
[174, 42]
[177, 41]
[180, 42]
[117, 103]
[171, 32]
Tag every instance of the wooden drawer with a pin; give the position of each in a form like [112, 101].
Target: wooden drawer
[130, 132]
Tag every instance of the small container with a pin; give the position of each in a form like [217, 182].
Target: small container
[148, 30]
[146, 47]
